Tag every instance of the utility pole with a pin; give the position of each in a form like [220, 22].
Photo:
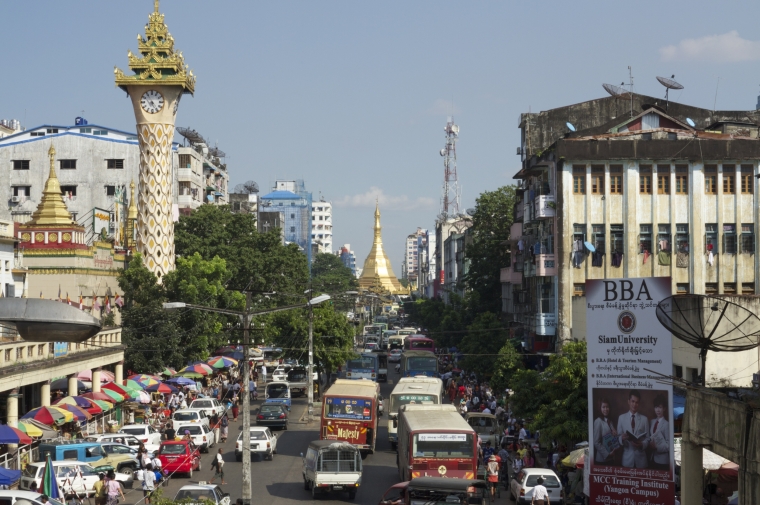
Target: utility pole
[310, 380]
[246, 441]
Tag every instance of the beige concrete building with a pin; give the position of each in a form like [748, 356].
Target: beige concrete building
[662, 193]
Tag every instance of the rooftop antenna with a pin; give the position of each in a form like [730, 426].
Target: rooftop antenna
[451, 195]
[630, 78]
[619, 92]
[669, 84]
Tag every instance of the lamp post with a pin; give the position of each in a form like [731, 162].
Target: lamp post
[246, 316]
[314, 301]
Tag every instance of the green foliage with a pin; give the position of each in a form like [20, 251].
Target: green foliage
[559, 400]
[484, 339]
[508, 362]
[487, 254]
[330, 275]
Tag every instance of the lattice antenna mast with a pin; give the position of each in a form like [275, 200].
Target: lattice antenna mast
[451, 193]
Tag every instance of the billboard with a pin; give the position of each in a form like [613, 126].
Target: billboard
[101, 220]
[630, 413]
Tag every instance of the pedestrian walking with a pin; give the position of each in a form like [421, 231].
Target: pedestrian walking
[148, 483]
[235, 408]
[218, 465]
[540, 493]
[113, 489]
[225, 423]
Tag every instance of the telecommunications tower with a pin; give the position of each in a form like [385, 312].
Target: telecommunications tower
[451, 195]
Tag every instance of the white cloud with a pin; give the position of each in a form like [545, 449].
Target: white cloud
[387, 202]
[726, 48]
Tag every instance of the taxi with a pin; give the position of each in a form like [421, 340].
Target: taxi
[179, 456]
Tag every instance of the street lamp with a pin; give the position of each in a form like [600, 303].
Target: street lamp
[246, 316]
[314, 301]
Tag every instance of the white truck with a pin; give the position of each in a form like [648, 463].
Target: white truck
[332, 466]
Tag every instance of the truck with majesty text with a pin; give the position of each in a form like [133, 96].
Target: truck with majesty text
[350, 411]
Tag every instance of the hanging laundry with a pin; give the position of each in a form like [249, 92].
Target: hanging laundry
[646, 256]
[597, 259]
[520, 245]
[682, 260]
[710, 257]
[663, 257]
[617, 259]
[664, 245]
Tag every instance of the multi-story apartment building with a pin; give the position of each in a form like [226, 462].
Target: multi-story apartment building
[410, 266]
[455, 263]
[201, 176]
[322, 225]
[427, 277]
[291, 200]
[448, 279]
[657, 193]
[348, 258]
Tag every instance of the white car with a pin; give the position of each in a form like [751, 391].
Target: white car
[281, 373]
[394, 356]
[117, 438]
[203, 436]
[202, 493]
[145, 433]
[263, 443]
[185, 416]
[210, 406]
[73, 476]
[11, 497]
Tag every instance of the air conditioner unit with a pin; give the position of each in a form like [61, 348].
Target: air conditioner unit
[15, 199]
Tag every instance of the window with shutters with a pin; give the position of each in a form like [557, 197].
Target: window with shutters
[682, 184]
[729, 238]
[728, 184]
[616, 238]
[115, 164]
[20, 164]
[748, 238]
[711, 179]
[663, 184]
[645, 238]
[711, 237]
[597, 184]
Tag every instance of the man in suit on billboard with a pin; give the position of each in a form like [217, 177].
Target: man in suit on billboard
[633, 423]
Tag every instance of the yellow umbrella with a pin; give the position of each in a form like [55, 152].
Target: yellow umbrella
[30, 429]
[573, 457]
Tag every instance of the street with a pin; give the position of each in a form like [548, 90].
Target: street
[279, 481]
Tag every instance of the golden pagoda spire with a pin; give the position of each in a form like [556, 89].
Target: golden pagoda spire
[132, 211]
[52, 210]
[378, 272]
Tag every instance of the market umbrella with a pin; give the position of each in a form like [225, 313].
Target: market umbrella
[222, 362]
[144, 379]
[122, 390]
[183, 381]
[114, 395]
[104, 405]
[100, 395]
[168, 371]
[49, 415]
[571, 460]
[194, 375]
[63, 385]
[11, 435]
[49, 482]
[9, 477]
[80, 414]
[105, 375]
[79, 401]
[161, 388]
[133, 384]
[200, 368]
[30, 429]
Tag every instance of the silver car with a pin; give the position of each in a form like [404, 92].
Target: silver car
[522, 484]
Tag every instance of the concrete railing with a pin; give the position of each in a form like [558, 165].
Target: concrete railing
[16, 351]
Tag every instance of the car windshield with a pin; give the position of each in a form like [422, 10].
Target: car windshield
[194, 430]
[271, 408]
[481, 422]
[196, 494]
[172, 449]
[430, 497]
[297, 375]
[202, 404]
[31, 471]
[277, 391]
[185, 416]
[256, 435]
[549, 481]
[134, 431]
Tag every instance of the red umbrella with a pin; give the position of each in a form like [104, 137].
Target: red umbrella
[98, 396]
[119, 389]
[161, 388]
[11, 435]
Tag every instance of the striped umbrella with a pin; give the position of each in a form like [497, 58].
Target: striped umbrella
[86, 375]
[222, 362]
[122, 390]
[161, 388]
[168, 371]
[49, 415]
[133, 384]
[114, 395]
[145, 379]
[104, 405]
[200, 368]
[49, 482]
[30, 429]
[80, 414]
[11, 435]
[79, 401]
[100, 395]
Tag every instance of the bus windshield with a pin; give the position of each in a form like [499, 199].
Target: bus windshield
[424, 364]
[363, 363]
[348, 408]
[442, 445]
[397, 401]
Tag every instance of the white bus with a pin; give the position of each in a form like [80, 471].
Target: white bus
[411, 391]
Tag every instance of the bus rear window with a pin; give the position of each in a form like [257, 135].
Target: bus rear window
[442, 445]
[348, 408]
[422, 364]
[397, 401]
[421, 344]
[361, 363]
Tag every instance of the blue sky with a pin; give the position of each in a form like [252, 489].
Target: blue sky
[353, 96]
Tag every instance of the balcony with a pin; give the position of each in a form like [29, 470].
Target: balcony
[545, 324]
[188, 201]
[186, 175]
[18, 352]
[546, 265]
[545, 207]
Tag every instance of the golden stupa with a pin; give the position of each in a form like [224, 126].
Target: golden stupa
[378, 274]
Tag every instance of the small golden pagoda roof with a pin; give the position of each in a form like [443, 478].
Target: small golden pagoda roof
[132, 211]
[159, 63]
[52, 210]
[378, 272]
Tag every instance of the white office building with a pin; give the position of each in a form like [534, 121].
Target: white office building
[321, 225]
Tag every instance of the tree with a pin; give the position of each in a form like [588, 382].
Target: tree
[481, 344]
[487, 254]
[330, 275]
[508, 362]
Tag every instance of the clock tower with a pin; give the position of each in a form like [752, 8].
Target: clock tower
[159, 81]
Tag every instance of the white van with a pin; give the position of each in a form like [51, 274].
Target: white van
[185, 416]
[73, 477]
[12, 497]
[332, 466]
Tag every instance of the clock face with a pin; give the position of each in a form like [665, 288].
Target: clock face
[152, 101]
[176, 104]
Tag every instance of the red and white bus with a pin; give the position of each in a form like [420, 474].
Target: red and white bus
[435, 441]
[418, 343]
[349, 413]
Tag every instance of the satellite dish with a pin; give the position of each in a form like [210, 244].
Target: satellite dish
[616, 91]
[470, 211]
[570, 126]
[690, 122]
[443, 152]
[709, 324]
[669, 84]
[247, 188]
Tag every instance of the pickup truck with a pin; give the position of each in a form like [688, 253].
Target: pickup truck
[332, 466]
[297, 380]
